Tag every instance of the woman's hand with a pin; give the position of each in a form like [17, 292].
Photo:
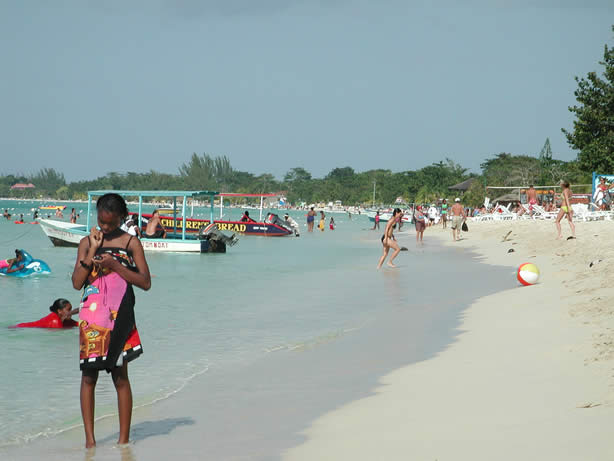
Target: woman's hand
[105, 261]
[95, 239]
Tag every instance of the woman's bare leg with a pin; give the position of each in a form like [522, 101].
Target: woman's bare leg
[124, 402]
[397, 250]
[558, 223]
[88, 397]
[572, 226]
[384, 254]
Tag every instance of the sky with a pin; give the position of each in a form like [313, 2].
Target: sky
[90, 87]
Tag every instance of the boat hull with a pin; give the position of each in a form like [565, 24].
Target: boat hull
[64, 234]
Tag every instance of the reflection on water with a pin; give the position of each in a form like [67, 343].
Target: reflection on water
[118, 453]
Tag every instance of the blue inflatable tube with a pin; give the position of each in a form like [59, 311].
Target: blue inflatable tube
[31, 266]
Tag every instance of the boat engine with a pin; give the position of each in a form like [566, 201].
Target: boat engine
[212, 240]
[272, 218]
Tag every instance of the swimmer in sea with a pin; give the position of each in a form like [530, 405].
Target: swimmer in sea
[388, 240]
[61, 311]
[14, 264]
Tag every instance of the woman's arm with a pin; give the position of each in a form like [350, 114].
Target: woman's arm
[85, 254]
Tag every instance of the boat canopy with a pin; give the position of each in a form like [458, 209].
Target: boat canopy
[233, 194]
[184, 194]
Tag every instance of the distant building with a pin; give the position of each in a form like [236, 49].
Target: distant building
[20, 186]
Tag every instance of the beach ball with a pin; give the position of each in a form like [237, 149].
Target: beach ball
[528, 274]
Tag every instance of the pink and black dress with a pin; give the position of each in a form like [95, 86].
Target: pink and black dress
[107, 327]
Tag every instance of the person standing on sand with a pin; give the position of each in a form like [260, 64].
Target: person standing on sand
[420, 223]
[311, 216]
[109, 263]
[531, 200]
[388, 240]
[458, 216]
[565, 210]
[444, 214]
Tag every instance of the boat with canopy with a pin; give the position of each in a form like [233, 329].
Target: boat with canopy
[178, 238]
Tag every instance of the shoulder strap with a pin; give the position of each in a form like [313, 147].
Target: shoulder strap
[129, 240]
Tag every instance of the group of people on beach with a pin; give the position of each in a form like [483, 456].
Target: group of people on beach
[457, 215]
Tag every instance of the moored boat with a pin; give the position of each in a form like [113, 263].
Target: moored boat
[204, 240]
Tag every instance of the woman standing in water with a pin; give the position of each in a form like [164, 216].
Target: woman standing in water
[109, 262]
[388, 240]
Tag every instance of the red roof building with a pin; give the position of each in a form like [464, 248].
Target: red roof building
[20, 186]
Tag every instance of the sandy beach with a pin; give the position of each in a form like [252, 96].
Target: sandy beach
[529, 377]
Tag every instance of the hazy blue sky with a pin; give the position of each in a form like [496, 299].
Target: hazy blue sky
[89, 87]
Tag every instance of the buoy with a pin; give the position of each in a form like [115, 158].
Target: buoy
[528, 274]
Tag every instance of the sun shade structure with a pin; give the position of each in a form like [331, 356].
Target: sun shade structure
[462, 186]
[184, 194]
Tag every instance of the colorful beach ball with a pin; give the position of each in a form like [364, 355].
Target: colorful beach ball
[528, 274]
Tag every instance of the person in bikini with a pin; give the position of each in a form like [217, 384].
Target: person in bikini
[388, 240]
[444, 214]
[565, 210]
[310, 219]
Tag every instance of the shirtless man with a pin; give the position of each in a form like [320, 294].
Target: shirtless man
[154, 227]
[531, 200]
[565, 210]
[388, 240]
[457, 213]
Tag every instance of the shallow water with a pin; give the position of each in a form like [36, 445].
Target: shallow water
[203, 311]
[219, 321]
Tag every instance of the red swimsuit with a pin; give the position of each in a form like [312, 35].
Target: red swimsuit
[50, 321]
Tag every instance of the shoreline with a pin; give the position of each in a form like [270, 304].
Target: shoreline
[260, 411]
[528, 377]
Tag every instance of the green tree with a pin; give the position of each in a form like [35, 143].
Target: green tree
[593, 129]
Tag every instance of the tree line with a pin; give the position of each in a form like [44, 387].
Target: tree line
[592, 136]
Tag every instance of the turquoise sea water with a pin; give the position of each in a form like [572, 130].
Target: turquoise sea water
[216, 321]
[203, 311]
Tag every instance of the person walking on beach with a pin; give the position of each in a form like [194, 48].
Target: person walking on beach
[458, 217]
[420, 223]
[322, 222]
[331, 223]
[73, 216]
[444, 214]
[109, 263]
[531, 200]
[311, 216]
[388, 240]
[565, 210]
